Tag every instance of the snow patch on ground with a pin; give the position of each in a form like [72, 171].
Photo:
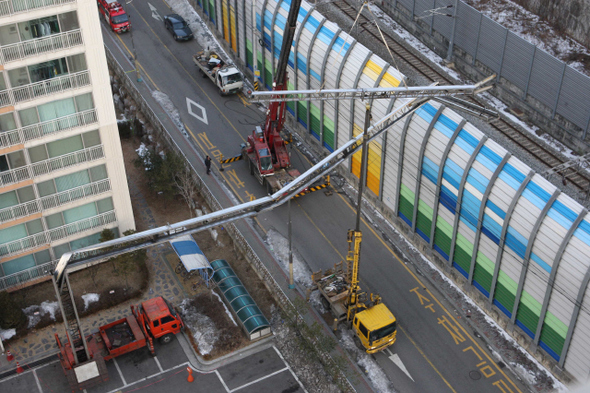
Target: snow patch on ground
[366, 362]
[143, 153]
[36, 312]
[225, 307]
[279, 246]
[7, 334]
[168, 106]
[90, 298]
[201, 326]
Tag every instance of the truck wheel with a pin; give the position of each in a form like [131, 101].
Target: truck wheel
[166, 338]
[325, 303]
[250, 166]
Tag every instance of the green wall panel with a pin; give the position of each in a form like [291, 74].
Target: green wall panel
[484, 269]
[463, 251]
[302, 111]
[329, 131]
[505, 291]
[406, 202]
[423, 220]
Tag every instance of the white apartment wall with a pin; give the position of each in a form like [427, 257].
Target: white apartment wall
[103, 101]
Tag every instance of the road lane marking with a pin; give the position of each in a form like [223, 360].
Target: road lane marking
[287, 364]
[155, 14]
[259, 379]
[120, 373]
[158, 363]
[37, 381]
[394, 357]
[202, 117]
[222, 381]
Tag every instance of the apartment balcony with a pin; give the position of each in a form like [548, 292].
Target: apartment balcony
[22, 50]
[38, 130]
[19, 278]
[51, 165]
[11, 7]
[55, 200]
[44, 88]
[53, 235]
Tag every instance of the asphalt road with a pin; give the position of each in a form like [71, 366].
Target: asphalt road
[435, 351]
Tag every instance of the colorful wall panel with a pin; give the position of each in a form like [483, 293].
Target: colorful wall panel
[516, 238]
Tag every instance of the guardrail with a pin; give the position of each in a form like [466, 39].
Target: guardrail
[51, 201]
[55, 234]
[38, 130]
[36, 46]
[53, 164]
[43, 88]
[11, 7]
[24, 276]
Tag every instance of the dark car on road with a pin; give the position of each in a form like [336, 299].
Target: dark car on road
[178, 27]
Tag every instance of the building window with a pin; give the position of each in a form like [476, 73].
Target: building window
[16, 197]
[26, 262]
[73, 180]
[58, 251]
[63, 146]
[55, 110]
[47, 70]
[20, 231]
[12, 161]
[79, 213]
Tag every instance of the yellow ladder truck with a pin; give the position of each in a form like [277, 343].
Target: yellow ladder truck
[373, 325]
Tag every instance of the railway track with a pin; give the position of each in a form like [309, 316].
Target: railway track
[404, 56]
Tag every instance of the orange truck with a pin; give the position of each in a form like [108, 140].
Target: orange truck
[115, 15]
[153, 319]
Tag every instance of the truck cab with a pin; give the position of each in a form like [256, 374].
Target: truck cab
[115, 15]
[160, 319]
[376, 328]
[229, 80]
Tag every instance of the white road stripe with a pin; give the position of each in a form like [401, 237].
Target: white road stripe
[158, 363]
[222, 381]
[289, 367]
[120, 373]
[146, 378]
[37, 380]
[260, 379]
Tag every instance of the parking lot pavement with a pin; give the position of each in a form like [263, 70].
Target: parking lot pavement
[263, 371]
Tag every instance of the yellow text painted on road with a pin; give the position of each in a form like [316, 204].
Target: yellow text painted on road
[205, 140]
[460, 338]
[234, 178]
[216, 153]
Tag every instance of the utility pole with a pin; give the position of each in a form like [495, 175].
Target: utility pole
[291, 283]
[363, 174]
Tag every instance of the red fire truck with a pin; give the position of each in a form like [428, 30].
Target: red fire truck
[115, 15]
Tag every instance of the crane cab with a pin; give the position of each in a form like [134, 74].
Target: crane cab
[376, 328]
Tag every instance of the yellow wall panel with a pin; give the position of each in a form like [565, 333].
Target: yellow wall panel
[225, 20]
[234, 38]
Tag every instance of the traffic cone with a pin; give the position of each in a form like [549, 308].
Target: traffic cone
[19, 369]
[190, 374]
[9, 356]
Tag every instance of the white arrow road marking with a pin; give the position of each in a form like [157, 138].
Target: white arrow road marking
[155, 14]
[190, 103]
[398, 362]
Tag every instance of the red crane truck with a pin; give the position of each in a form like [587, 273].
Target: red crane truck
[153, 319]
[115, 15]
[266, 151]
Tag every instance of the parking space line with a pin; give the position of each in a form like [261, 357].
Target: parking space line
[158, 363]
[222, 381]
[289, 367]
[148, 377]
[120, 373]
[259, 379]
[37, 380]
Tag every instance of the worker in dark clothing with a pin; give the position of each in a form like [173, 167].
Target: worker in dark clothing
[208, 164]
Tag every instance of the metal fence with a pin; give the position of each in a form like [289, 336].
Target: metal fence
[537, 74]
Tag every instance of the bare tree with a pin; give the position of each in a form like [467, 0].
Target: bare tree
[186, 185]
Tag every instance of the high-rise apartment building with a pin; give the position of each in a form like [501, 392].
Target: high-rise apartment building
[62, 177]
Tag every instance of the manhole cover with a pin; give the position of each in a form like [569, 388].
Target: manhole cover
[475, 375]
[501, 364]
